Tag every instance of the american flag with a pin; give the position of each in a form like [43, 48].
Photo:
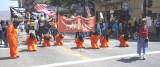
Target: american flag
[49, 10]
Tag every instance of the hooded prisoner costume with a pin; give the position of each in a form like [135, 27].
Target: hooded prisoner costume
[59, 39]
[47, 40]
[31, 42]
[80, 42]
[94, 40]
[12, 37]
[123, 40]
[104, 41]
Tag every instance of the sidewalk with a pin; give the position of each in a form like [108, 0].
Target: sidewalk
[154, 37]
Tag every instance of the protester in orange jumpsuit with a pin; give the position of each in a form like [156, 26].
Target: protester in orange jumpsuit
[123, 40]
[59, 39]
[12, 37]
[80, 42]
[104, 41]
[31, 42]
[94, 40]
[47, 41]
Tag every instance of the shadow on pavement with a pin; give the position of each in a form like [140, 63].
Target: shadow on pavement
[25, 50]
[5, 58]
[74, 48]
[132, 59]
[88, 48]
[119, 46]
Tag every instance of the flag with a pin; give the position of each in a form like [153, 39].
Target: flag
[17, 12]
[49, 10]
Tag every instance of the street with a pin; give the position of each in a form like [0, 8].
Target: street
[69, 56]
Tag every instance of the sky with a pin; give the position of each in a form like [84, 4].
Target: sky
[5, 4]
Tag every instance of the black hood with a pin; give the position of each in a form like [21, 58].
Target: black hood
[107, 36]
[80, 38]
[96, 33]
[16, 23]
[126, 37]
[32, 36]
[60, 35]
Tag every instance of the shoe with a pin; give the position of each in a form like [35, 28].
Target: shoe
[140, 56]
[144, 57]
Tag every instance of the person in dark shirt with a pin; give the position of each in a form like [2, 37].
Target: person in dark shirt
[4, 29]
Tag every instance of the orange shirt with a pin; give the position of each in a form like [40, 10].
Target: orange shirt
[54, 24]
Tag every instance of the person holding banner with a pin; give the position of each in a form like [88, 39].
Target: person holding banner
[94, 40]
[12, 37]
[80, 42]
[59, 39]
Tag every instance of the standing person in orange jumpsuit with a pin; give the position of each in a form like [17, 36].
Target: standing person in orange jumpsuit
[47, 40]
[94, 40]
[31, 42]
[59, 39]
[12, 37]
[104, 41]
[80, 42]
[123, 40]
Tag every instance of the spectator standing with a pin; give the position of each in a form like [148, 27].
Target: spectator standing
[115, 26]
[0, 33]
[4, 30]
[27, 26]
[120, 27]
[36, 28]
[143, 39]
[157, 24]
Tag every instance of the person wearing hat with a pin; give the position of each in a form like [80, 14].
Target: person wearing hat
[47, 40]
[59, 39]
[12, 37]
[31, 42]
[123, 40]
[94, 40]
[143, 38]
[80, 42]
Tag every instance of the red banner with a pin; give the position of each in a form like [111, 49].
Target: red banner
[78, 24]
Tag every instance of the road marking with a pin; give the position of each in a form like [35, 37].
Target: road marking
[92, 60]
[73, 53]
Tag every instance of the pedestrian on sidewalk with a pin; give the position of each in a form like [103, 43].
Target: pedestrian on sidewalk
[31, 42]
[36, 28]
[12, 37]
[4, 30]
[157, 24]
[143, 38]
[115, 27]
[0, 33]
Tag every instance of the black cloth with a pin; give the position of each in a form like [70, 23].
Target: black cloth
[16, 23]
[47, 38]
[80, 38]
[32, 36]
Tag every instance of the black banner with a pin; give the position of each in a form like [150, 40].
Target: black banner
[17, 12]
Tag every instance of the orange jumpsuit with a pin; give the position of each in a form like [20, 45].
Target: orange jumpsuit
[31, 44]
[80, 44]
[94, 41]
[104, 42]
[59, 40]
[12, 36]
[45, 41]
[123, 43]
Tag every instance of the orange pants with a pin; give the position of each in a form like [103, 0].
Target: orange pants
[104, 45]
[13, 51]
[32, 47]
[80, 46]
[60, 43]
[45, 44]
[124, 44]
[95, 45]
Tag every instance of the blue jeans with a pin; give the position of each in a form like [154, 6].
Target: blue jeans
[141, 41]
[4, 39]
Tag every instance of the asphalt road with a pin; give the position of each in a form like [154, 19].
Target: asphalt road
[69, 56]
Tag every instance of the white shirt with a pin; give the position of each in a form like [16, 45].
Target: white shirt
[35, 24]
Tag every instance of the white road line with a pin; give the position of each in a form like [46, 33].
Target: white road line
[92, 60]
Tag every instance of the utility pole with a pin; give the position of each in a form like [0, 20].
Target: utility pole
[144, 9]
[84, 8]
